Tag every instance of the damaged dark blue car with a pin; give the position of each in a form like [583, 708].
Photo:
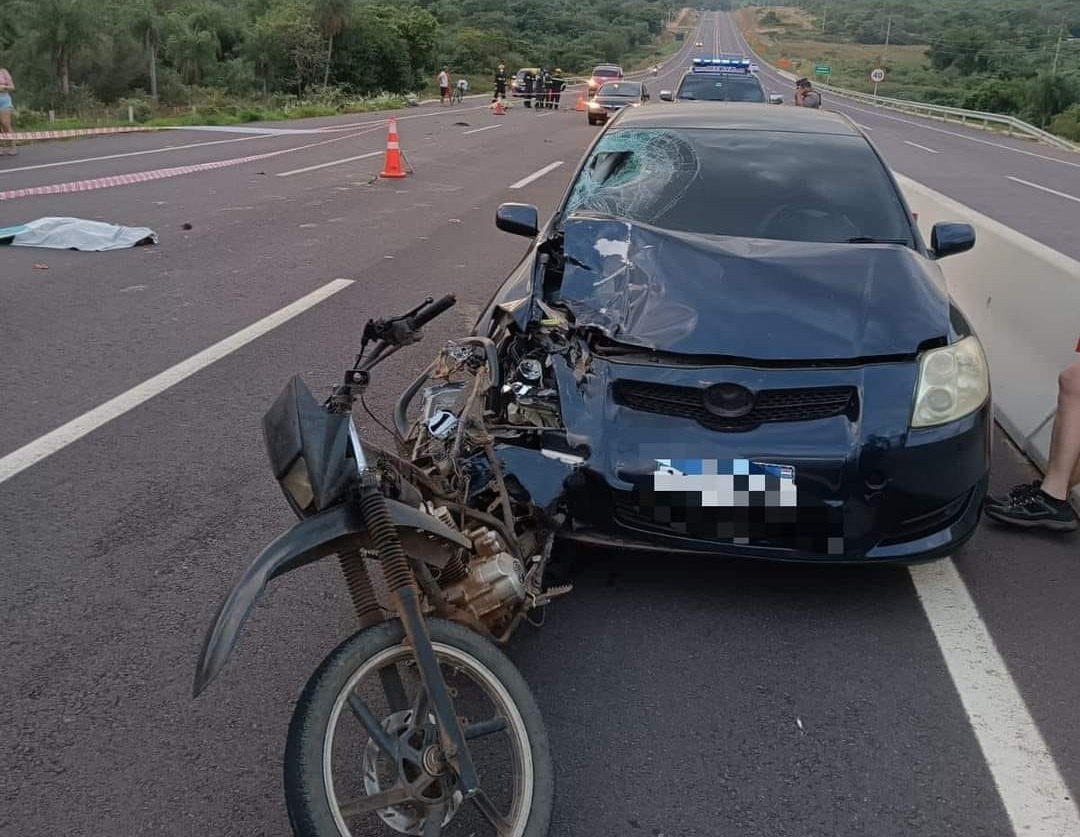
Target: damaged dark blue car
[731, 339]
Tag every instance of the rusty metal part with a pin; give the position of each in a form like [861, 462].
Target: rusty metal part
[500, 485]
[362, 593]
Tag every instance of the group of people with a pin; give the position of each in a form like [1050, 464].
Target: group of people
[448, 95]
[541, 88]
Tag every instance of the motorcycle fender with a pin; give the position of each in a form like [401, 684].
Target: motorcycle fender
[308, 541]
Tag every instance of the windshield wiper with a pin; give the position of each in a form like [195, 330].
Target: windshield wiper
[869, 239]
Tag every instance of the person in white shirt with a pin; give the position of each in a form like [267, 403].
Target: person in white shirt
[444, 87]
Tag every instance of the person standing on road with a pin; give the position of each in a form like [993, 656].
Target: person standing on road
[1044, 504]
[558, 85]
[444, 87]
[529, 81]
[461, 89]
[544, 90]
[500, 84]
[6, 106]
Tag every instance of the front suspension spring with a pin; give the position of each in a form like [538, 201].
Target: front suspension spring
[364, 600]
[384, 535]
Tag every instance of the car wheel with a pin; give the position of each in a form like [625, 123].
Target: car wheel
[592, 120]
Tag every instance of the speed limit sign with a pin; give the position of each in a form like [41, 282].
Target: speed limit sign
[877, 75]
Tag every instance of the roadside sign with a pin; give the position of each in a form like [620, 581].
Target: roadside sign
[877, 75]
[822, 70]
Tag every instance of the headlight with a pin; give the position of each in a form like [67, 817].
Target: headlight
[594, 105]
[297, 484]
[953, 382]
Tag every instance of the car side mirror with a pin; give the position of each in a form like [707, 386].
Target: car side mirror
[949, 238]
[665, 95]
[518, 219]
[776, 99]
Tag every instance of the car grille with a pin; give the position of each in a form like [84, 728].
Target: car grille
[770, 405]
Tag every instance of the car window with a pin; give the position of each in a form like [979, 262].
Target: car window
[607, 72]
[707, 87]
[753, 184]
[627, 89]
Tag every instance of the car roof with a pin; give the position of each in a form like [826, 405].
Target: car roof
[608, 67]
[741, 116]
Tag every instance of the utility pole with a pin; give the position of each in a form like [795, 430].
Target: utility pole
[824, 15]
[888, 32]
[1057, 49]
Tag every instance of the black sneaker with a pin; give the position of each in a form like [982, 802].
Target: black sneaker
[1037, 510]
[1017, 492]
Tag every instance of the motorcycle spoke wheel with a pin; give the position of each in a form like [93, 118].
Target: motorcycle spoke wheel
[356, 766]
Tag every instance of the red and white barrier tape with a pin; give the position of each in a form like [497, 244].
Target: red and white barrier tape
[25, 136]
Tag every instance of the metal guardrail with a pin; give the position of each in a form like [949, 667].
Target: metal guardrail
[1011, 125]
[976, 118]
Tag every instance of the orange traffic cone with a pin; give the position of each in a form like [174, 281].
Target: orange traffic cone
[580, 106]
[392, 166]
[499, 109]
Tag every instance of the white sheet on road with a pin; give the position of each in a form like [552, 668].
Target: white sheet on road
[80, 234]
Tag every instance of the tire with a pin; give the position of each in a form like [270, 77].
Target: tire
[306, 797]
[592, 121]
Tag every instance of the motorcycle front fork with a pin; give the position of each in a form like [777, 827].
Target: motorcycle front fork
[407, 607]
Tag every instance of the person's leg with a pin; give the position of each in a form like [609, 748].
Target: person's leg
[5, 128]
[1063, 470]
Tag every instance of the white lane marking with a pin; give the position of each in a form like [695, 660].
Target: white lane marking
[879, 113]
[328, 165]
[1043, 188]
[536, 175]
[133, 153]
[1028, 781]
[55, 440]
[920, 147]
[478, 130]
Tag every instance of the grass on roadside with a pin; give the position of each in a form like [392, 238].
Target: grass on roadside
[790, 39]
[231, 114]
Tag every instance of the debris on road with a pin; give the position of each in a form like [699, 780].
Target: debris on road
[80, 234]
[41, 266]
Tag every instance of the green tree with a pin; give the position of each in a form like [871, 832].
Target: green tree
[146, 22]
[190, 48]
[61, 29]
[1048, 95]
[331, 16]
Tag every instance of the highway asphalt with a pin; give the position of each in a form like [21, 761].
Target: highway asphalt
[682, 697]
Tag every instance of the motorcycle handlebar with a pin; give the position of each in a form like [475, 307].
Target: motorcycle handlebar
[430, 312]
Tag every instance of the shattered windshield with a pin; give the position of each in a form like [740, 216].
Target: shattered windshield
[707, 87]
[753, 184]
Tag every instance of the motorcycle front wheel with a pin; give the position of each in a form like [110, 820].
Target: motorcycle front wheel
[336, 776]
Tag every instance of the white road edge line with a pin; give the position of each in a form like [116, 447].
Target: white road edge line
[136, 153]
[536, 175]
[1028, 781]
[478, 130]
[921, 147]
[58, 439]
[327, 165]
[1043, 188]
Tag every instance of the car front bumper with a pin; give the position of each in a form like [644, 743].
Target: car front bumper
[869, 487]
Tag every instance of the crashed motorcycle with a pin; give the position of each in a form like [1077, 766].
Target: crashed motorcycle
[417, 723]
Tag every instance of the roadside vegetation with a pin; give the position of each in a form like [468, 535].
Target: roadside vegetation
[1020, 57]
[169, 62]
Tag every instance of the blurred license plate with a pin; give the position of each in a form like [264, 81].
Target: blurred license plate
[732, 483]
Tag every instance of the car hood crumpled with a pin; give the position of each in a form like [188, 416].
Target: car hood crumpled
[750, 298]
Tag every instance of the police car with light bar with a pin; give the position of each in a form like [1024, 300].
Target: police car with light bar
[725, 79]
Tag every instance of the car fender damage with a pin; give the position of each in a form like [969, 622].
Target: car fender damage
[644, 353]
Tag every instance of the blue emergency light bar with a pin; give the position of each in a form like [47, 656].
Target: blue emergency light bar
[738, 66]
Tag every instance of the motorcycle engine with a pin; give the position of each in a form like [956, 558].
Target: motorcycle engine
[494, 584]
